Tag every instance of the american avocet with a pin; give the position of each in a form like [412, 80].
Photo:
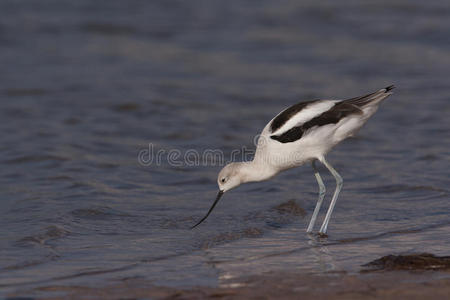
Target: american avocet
[304, 132]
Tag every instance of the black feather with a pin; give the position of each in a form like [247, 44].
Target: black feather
[288, 113]
[332, 116]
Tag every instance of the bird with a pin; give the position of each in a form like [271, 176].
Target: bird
[302, 133]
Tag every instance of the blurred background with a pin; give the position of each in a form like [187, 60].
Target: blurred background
[86, 85]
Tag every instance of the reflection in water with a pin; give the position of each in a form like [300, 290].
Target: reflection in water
[323, 257]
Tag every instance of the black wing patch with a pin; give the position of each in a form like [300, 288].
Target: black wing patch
[331, 116]
[288, 113]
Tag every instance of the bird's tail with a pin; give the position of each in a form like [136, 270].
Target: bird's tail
[374, 98]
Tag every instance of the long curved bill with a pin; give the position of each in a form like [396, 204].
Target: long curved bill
[219, 195]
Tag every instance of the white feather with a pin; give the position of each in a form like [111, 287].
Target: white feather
[311, 111]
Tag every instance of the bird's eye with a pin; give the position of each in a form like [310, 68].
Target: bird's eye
[222, 180]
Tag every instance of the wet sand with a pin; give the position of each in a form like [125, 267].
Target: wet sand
[410, 276]
[377, 285]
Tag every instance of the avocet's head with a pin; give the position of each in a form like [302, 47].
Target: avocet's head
[229, 177]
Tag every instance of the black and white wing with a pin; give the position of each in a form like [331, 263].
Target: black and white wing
[292, 123]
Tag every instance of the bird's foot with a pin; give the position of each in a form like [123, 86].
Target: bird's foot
[322, 234]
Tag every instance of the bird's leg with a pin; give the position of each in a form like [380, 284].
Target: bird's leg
[320, 200]
[339, 183]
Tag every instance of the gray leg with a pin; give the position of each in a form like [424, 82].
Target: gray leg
[320, 200]
[339, 183]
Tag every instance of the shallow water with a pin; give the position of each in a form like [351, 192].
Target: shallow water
[86, 88]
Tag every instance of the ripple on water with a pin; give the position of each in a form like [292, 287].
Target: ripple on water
[227, 237]
[50, 233]
[126, 107]
[20, 92]
[257, 223]
[98, 213]
[401, 188]
[36, 158]
[107, 29]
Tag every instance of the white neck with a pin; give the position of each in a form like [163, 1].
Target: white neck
[256, 171]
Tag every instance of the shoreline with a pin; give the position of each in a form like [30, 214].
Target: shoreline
[372, 285]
